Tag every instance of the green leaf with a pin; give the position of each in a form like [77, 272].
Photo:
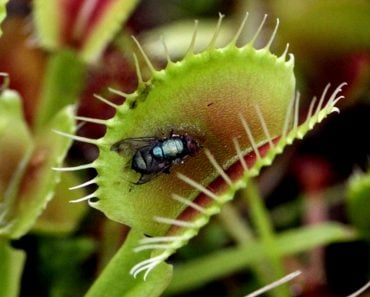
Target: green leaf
[11, 267]
[358, 204]
[116, 281]
[2, 11]
[13, 146]
[62, 84]
[39, 180]
[60, 216]
[231, 260]
[265, 231]
[15, 149]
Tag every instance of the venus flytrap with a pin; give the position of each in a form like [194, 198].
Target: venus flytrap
[85, 26]
[26, 183]
[31, 184]
[190, 85]
[237, 102]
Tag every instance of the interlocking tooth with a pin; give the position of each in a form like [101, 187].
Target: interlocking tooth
[288, 117]
[334, 102]
[218, 167]
[267, 47]
[146, 58]
[102, 99]
[166, 51]
[284, 54]
[91, 120]
[77, 138]
[240, 30]
[275, 284]
[254, 38]
[138, 70]
[152, 247]
[85, 184]
[334, 99]
[175, 222]
[87, 197]
[264, 125]
[240, 155]
[118, 92]
[75, 168]
[212, 43]
[310, 109]
[250, 136]
[197, 186]
[189, 203]
[190, 50]
[158, 239]
[321, 101]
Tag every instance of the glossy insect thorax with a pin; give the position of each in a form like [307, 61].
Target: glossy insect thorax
[171, 148]
[152, 155]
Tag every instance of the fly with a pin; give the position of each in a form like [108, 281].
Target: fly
[153, 156]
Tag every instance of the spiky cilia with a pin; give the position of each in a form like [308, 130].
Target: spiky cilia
[238, 102]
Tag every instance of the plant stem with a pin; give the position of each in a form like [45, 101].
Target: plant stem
[235, 225]
[12, 262]
[112, 236]
[241, 232]
[262, 222]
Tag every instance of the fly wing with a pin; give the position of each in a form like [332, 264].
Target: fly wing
[144, 178]
[129, 146]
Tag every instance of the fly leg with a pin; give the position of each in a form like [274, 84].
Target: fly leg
[144, 178]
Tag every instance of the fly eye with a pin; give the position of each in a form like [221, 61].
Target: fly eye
[192, 146]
